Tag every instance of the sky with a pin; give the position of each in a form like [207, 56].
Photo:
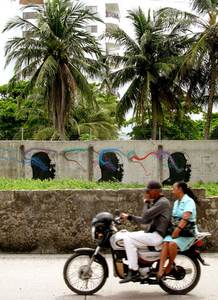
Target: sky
[9, 8]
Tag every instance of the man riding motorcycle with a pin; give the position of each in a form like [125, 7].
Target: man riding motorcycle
[157, 213]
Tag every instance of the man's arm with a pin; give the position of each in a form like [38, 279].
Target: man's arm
[149, 213]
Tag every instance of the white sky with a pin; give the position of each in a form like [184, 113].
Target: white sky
[9, 8]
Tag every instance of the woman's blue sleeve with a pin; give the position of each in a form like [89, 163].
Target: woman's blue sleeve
[189, 206]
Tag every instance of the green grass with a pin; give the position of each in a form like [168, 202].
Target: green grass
[211, 188]
[29, 184]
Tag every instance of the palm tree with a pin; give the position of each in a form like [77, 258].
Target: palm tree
[99, 123]
[206, 48]
[57, 53]
[202, 55]
[148, 66]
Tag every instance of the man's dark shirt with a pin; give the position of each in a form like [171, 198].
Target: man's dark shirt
[158, 214]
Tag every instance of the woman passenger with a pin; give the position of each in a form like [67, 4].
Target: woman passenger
[184, 211]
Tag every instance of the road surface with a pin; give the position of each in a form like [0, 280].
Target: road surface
[39, 277]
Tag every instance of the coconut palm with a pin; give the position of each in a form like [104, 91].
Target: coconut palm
[206, 48]
[203, 53]
[57, 54]
[99, 123]
[148, 66]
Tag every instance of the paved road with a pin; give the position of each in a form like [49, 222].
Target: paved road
[39, 277]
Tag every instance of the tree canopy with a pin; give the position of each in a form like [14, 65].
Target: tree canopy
[57, 53]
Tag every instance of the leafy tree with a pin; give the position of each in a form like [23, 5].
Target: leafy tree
[14, 91]
[203, 53]
[214, 133]
[99, 123]
[9, 126]
[34, 118]
[9, 97]
[57, 53]
[205, 48]
[85, 122]
[174, 128]
[149, 65]
[214, 125]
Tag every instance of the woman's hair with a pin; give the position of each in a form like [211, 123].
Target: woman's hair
[186, 190]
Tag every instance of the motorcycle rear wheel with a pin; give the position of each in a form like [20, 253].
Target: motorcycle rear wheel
[84, 279]
[173, 285]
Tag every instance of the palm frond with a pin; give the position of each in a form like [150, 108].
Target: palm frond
[139, 21]
[81, 83]
[204, 6]
[122, 76]
[123, 39]
[169, 17]
[19, 23]
[47, 72]
[129, 99]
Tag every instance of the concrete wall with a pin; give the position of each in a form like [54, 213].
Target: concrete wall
[140, 160]
[59, 221]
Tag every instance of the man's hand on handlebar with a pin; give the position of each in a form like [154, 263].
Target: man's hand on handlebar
[123, 217]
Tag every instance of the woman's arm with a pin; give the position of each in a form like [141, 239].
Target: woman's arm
[183, 222]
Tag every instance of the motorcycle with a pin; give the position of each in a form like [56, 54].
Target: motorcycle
[86, 271]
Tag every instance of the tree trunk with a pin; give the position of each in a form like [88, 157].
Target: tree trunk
[52, 101]
[212, 91]
[154, 120]
[58, 112]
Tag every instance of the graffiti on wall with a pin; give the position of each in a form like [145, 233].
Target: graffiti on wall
[179, 168]
[69, 155]
[111, 168]
[110, 162]
[40, 161]
[42, 168]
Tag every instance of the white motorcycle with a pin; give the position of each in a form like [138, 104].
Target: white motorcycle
[86, 271]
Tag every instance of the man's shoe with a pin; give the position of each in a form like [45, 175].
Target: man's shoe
[132, 276]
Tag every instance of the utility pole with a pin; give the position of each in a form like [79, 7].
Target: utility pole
[22, 133]
[159, 134]
[90, 162]
[160, 162]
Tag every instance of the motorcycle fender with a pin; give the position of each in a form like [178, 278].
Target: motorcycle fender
[98, 256]
[202, 261]
[196, 254]
[84, 249]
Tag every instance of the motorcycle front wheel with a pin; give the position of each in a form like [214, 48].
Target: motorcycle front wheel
[82, 279]
[184, 278]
